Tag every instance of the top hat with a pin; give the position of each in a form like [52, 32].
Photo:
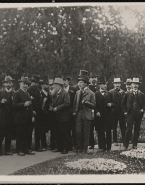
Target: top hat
[83, 73]
[58, 81]
[45, 80]
[128, 81]
[92, 75]
[66, 76]
[117, 80]
[8, 79]
[102, 80]
[84, 78]
[24, 79]
[35, 78]
[136, 80]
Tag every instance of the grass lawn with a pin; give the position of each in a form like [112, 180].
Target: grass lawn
[57, 166]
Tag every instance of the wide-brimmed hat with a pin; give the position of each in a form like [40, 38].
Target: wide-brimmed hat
[102, 80]
[66, 76]
[128, 81]
[45, 80]
[136, 80]
[83, 73]
[24, 79]
[35, 78]
[58, 81]
[117, 80]
[8, 79]
[84, 78]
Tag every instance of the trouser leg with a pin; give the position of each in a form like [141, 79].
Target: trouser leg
[7, 144]
[28, 134]
[91, 138]
[116, 118]
[37, 137]
[108, 139]
[130, 122]
[74, 132]
[64, 134]
[79, 134]
[20, 132]
[137, 123]
[122, 124]
[1, 140]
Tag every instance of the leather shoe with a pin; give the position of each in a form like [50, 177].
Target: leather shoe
[56, 150]
[8, 153]
[21, 154]
[91, 147]
[64, 152]
[30, 152]
[44, 149]
[134, 147]
[39, 150]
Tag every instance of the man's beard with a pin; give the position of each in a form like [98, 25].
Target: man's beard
[8, 87]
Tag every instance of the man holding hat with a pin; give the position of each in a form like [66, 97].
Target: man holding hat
[133, 105]
[118, 114]
[23, 119]
[6, 115]
[104, 116]
[84, 105]
[61, 107]
[35, 95]
[71, 90]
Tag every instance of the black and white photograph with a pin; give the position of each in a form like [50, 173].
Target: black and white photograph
[72, 91]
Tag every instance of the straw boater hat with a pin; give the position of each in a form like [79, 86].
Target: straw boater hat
[58, 81]
[45, 80]
[24, 79]
[117, 80]
[102, 80]
[35, 78]
[8, 79]
[136, 80]
[128, 81]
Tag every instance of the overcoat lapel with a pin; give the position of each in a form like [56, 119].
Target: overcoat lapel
[56, 99]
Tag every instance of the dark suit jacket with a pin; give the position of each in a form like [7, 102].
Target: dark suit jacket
[92, 88]
[76, 87]
[6, 112]
[122, 92]
[23, 114]
[36, 98]
[128, 99]
[105, 122]
[90, 97]
[62, 102]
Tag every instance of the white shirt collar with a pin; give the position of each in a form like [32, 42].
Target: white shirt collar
[59, 92]
[8, 90]
[84, 89]
[44, 92]
[67, 88]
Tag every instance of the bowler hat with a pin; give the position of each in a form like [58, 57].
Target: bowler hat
[117, 80]
[35, 78]
[8, 79]
[83, 73]
[45, 80]
[128, 81]
[84, 78]
[136, 80]
[66, 76]
[102, 80]
[24, 79]
[58, 81]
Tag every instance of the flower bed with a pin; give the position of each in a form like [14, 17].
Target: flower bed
[98, 164]
[139, 153]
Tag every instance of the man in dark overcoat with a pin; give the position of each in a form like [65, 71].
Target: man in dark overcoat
[61, 107]
[133, 105]
[84, 105]
[6, 115]
[104, 115]
[23, 119]
[72, 126]
[35, 95]
[118, 114]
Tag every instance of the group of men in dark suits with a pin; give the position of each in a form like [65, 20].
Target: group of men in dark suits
[70, 113]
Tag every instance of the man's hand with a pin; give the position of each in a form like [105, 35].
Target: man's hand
[109, 104]
[86, 102]
[51, 109]
[33, 119]
[4, 100]
[125, 113]
[141, 110]
[27, 104]
[98, 114]
[55, 109]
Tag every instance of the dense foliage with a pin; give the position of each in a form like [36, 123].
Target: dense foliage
[57, 39]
